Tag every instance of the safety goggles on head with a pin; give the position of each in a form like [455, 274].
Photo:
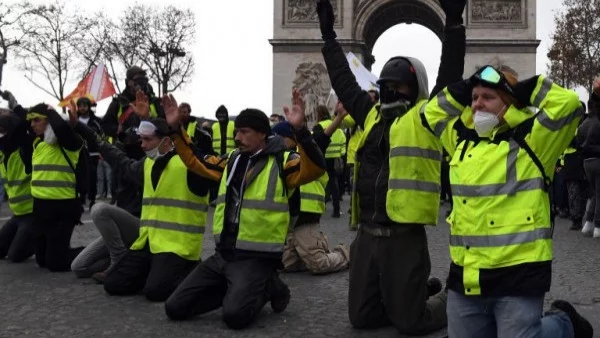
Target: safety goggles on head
[488, 75]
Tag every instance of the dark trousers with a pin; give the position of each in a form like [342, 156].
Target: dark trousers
[156, 275]
[241, 287]
[92, 183]
[385, 290]
[333, 188]
[577, 199]
[560, 194]
[17, 238]
[592, 172]
[53, 243]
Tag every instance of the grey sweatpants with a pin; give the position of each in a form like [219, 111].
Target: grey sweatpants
[118, 229]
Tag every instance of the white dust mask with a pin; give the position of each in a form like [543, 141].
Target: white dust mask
[49, 136]
[485, 122]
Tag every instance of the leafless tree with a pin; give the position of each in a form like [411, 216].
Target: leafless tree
[157, 39]
[576, 44]
[47, 53]
[10, 35]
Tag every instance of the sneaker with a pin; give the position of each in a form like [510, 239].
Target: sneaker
[434, 286]
[575, 225]
[280, 294]
[336, 214]
[588, 229]
[596, 232]
[581, 326]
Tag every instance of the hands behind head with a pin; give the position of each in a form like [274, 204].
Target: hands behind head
[171, 109]
[296, 117]
[141, 106]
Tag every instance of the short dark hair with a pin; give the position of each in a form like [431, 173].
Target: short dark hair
[323, 112]
[186, 105]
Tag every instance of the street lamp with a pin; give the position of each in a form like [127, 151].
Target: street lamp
[173, 52]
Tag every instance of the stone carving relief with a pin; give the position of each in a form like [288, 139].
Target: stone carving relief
[304, 11]
[497, 11]
[313, 82]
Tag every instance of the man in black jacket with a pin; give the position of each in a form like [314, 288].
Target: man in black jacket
[393, 290]
[120, 123]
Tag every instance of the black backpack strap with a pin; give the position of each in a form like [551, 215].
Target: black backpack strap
[518, 136]
[72, 169]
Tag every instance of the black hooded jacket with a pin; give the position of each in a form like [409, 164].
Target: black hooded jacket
[372, 185]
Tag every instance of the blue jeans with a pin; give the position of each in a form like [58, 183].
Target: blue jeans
[504, 317]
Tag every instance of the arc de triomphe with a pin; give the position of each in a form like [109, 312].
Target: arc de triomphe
[495, 28]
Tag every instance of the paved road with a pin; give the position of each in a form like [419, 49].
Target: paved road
[37, 303]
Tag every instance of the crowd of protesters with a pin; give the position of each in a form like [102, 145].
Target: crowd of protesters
[149, 172]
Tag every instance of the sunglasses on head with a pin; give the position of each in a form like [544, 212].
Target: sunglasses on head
[490, 76]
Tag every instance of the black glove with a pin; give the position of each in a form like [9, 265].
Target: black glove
[90, 136]
[454, 10]
[8, 96]
[326, 19]
[524, 89]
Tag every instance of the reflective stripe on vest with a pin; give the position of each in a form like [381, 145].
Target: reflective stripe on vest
[173, 217]
[52, 178]
[338, 141]
[312, 195]
[17, 184]
[518, 232]
[230, 142]
[263, 218]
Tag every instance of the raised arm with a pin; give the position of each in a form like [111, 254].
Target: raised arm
[344, 83]
[452, 64]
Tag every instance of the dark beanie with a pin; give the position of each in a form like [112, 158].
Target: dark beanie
[283, 129]
[254, 119]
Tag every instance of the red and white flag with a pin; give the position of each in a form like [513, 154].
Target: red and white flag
[96, 85]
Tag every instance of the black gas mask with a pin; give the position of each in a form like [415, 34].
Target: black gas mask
[393, 103]
[142, 83]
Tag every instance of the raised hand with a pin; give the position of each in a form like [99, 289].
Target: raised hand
[296, 116]
[72, 110]
[326, 19]
[8, 96]
[171, 109]
[454, 10]
[141, 106]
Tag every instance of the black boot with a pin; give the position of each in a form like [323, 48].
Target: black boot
[581, 326]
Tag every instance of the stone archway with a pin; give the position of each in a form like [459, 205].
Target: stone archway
[373, 18]
[502, 29]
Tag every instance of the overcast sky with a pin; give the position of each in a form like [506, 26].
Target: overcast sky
[234, 58]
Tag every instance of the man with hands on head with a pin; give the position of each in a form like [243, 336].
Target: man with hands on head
[16, 147]
[251, 217]
[397, 180]
[502, 160]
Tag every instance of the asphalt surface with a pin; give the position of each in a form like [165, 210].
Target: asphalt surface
[37, 303]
